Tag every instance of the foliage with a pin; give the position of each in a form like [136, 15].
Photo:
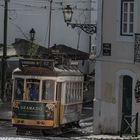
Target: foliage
[32, 51]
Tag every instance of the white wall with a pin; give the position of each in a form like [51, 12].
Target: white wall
[110, 69]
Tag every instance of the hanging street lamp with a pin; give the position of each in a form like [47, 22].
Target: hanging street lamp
[32, 34]
[87, 28]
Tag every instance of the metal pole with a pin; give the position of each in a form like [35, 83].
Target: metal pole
[4, 57]
[31, 53]
[50, 18]
[79, 34]
[122, 121]
[136, 125]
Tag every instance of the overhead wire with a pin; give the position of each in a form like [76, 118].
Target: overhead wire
[31, 6]
[44, 5]
[56, 8]
[60, 1]
[18, 27]
[53, 8]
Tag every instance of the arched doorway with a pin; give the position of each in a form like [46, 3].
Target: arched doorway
[127, 99]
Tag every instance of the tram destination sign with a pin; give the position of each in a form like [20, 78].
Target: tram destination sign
[36, 63]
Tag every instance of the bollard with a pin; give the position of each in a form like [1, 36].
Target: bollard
[136, 125]
[122, 120]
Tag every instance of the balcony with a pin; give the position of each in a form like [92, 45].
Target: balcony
[137, 48]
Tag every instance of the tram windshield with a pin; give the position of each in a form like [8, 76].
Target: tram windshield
[48, 90]
[30, 89]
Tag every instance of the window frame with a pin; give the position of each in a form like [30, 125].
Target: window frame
[128, 22]
[25, 82]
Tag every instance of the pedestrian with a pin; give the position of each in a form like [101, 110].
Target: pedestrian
[34, 92]
[19, 91]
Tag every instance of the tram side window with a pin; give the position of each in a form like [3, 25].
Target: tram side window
[18, 89]
[68, 92]
[48, 90]
[73, 92]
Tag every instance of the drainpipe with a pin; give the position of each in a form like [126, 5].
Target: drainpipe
[97, 98]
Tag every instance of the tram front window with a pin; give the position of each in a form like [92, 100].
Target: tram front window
[18, 88]
[48, 90]
[32, 90]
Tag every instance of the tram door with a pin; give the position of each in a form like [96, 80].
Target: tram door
[59, 100]
[127, 100]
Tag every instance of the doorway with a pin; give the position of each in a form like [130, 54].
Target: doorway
[127, 100]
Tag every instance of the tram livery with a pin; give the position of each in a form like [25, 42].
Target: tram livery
[46, 95]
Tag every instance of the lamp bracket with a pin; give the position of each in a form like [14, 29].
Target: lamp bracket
[87, 28]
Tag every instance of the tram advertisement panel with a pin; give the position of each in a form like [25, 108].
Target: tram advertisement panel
[33, 110]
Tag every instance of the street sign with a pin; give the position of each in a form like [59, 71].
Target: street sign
[106, 49]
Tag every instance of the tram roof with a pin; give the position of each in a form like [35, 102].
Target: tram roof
[40, 71]
[43, 67]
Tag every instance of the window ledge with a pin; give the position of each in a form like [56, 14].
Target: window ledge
[126, 39]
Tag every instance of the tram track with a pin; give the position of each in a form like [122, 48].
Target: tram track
[63, 133]
[5, 125]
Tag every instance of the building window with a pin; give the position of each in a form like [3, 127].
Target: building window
[127, 17]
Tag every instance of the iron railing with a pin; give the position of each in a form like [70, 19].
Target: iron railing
[127, 121]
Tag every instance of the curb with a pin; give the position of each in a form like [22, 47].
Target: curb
[106, 138]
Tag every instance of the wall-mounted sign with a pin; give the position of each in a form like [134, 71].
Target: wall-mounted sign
[106, 49]
[137, 91]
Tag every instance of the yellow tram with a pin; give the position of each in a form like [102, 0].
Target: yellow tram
[45, 95]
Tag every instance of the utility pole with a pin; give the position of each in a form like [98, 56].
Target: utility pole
[4, 57]
[50, 18]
